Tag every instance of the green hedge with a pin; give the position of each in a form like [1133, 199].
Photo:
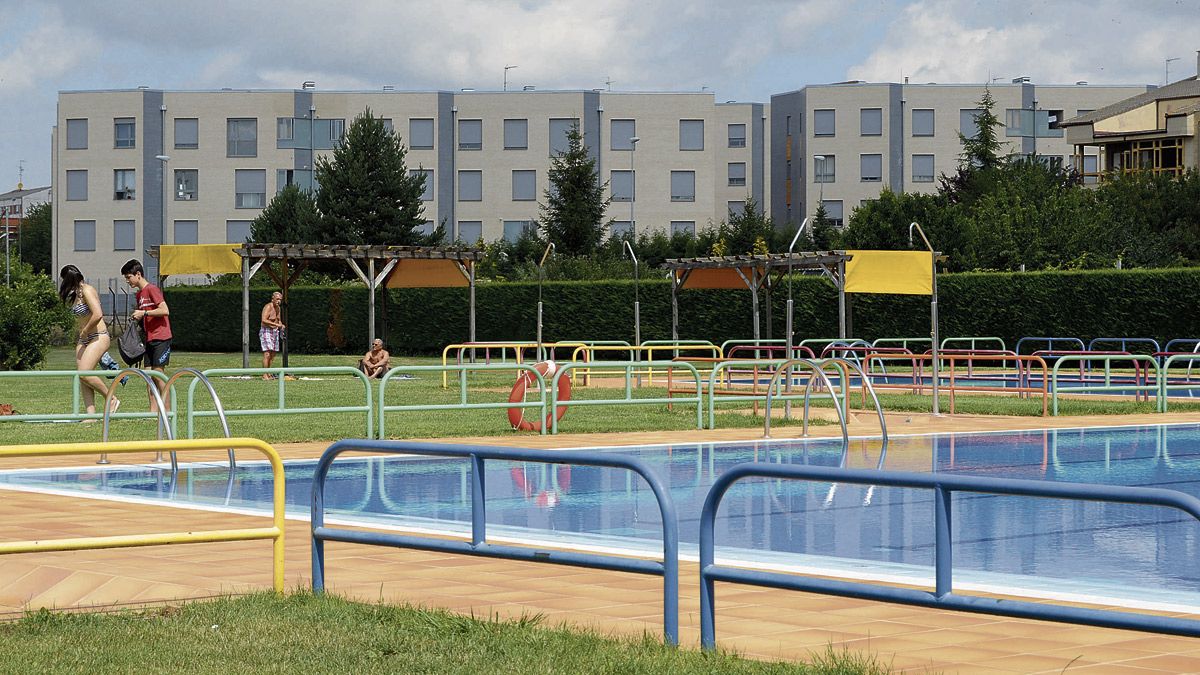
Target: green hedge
[1084, 304]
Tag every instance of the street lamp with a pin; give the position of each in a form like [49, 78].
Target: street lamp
[1167, 69]
[633, 141]
[506, 69]
[817, 176]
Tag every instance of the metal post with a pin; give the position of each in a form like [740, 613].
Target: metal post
[943, 548]
[637, 305]
[245, 311]
[478, 503]
[933, 310]
[541, 277]
[842, 298]
[674, 307]
[371, 302]
[790, 304]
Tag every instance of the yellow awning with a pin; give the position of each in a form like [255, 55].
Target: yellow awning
[199, 259]
[900, 272]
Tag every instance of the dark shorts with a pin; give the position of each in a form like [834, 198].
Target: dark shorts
[158, 354]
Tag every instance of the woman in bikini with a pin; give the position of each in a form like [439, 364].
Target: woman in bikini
[93, 332]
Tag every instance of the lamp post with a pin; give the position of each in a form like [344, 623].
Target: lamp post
[1167, 69]
[817, 176]
[633, 141]
[163, 159]
[506, 69]
[933, 310]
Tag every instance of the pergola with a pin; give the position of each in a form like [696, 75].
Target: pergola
[386, 266]
[755, 272]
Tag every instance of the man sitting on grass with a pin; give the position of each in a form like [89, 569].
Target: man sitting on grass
[376, 362]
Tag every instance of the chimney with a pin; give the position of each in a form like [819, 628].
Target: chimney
[1198, 63]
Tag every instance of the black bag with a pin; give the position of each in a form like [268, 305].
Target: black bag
[132, 343]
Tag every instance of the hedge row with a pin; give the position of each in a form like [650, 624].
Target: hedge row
[1084, 304]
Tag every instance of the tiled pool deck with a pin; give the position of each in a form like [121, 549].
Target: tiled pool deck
[759, 622]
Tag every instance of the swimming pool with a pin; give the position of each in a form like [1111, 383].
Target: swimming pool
[1136, 555]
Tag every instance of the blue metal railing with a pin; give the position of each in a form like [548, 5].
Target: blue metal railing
[1050, 342]
[668, 568]
[942, 596]
[1124, 342]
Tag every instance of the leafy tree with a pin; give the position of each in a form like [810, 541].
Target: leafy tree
[291, 218]
[747, 230]
[366, 194]
[573, 215]
[36, 237]
[30, 312]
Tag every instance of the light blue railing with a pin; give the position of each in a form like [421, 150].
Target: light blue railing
[463, 403]
[667, 568]
[943, 487]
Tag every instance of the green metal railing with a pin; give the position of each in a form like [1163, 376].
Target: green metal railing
[76, 397]
[281, 402]
[904, 343]
[462, 404]
[752, 397]
[629, 368]
[1164, 378]
[1148, 385]
[974, 343]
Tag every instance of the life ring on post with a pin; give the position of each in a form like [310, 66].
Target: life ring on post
[516, 416]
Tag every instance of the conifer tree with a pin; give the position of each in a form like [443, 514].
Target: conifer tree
[573, 214]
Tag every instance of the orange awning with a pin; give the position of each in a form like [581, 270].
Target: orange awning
[433, 273]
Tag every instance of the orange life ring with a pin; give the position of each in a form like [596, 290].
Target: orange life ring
[516, 416]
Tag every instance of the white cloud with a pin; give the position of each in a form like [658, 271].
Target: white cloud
[43, 54]
[1104, 41]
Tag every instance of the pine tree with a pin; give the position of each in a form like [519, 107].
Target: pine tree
[982, 151]
[573, 214]
[366, 194]
[290, 218]
[824, 232]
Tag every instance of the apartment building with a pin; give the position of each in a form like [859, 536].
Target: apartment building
[145, 167]
[842, 143]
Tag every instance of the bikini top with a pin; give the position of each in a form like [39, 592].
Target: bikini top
[80, 309]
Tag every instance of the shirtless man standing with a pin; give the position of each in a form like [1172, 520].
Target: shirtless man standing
[268, 332]
[377, 361]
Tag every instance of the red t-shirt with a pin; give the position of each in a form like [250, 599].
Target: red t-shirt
[157, 327]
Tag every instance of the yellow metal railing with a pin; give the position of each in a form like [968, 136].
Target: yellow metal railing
[274, 532]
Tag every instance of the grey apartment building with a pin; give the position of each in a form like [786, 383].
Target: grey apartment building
[142, 167]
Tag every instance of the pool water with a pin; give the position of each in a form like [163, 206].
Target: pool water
[1136, 554]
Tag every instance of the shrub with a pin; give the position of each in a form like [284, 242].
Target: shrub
[30, 314]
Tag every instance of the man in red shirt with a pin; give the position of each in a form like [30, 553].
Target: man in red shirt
[154, 314]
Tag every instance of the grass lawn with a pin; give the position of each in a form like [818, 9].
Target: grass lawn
[302, 633]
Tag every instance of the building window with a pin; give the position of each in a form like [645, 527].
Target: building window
[683, 227]
[1082, 111]
[870, 122]
[1091, 169]
[337, 130]
[824, 168]
[470, 231]
[683, 186]
[77, 134]
[922, 168]
[737, 135]
[241, 137]
[922, 122]
[250, 188]
[621, 228]
[426, 228]
[470, 134]
[524, 185]
[620, 183]
[187, 182]
[124, 235]
[967, 123]
[621, 134]
[285, 129]
[691, 134]
[871, 168]
[824, 122]
[387, 125]
[833, 211]
[427, 192]
[124, 184]
[737, 174]
[736, 207]
[420, 134]
[516, 134]
[77, 185]
[124, 134]
[558, 135]
[85, 235]
[187, 232]
[187, 133]
[237, 231]
[470, 186]
[301, 178]
[513, 229]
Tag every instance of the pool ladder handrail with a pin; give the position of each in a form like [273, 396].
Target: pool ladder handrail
[220, 410]
[820, 367]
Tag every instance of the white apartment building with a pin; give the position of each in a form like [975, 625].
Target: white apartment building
[842, 143]
[143, 167]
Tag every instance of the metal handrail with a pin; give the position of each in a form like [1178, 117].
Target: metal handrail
[529, 370]
[973, 341]
[1049, 342]
[818, 370]
[943, 486]
[278, 502]
[868, 387]
[1164, 379]
[668, 568]
[216, 404]
[629, 367]
[162, 413]
[1142, 375]
[1123, 341]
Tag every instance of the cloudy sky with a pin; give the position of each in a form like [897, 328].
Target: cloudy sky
[745, 50]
